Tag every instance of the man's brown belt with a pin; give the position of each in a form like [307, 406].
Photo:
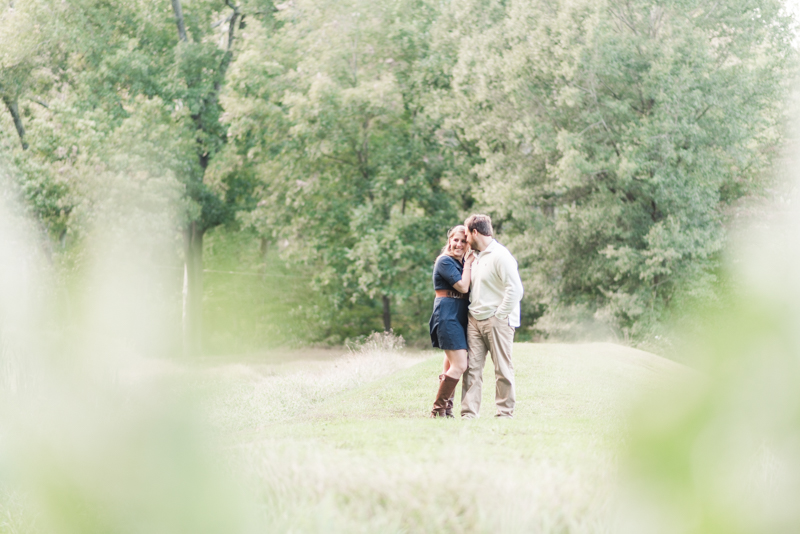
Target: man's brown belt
[450, 294]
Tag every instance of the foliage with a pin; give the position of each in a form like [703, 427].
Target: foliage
[357, 181]
[613, 135]
[605, 139]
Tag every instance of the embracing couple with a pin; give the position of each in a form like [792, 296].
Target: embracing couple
[478, 290]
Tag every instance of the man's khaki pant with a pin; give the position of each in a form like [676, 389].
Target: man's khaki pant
[495, 336]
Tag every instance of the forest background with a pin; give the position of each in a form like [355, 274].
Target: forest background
[309, 156]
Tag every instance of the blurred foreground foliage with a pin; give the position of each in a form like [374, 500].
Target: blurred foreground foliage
[720, 453]
[606, 140]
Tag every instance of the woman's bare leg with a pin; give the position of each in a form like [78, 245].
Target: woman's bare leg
[446, 364]
[456, 363]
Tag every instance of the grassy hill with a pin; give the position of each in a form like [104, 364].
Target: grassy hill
[345, 445]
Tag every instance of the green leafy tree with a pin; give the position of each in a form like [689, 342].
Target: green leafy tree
[613, 135]
[605, 139]
[109, 62]
[359, 184]
[29, 61]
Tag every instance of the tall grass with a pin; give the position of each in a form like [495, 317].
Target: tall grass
[310, 470]
[246, 397]
[312, 488]
[367, 460]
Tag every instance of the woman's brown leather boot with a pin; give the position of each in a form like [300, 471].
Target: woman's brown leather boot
[446, 388]
[448, 410]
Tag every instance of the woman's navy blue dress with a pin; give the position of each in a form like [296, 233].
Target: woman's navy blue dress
[449, 319]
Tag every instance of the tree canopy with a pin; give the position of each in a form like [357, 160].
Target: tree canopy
[605, 139]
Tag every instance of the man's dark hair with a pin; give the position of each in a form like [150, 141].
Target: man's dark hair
[481, 223]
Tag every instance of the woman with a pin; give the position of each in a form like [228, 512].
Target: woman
[451, 275]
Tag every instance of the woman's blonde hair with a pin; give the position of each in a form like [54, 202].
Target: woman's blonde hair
[458, 228]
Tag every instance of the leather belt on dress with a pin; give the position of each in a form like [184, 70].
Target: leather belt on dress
[450, 294]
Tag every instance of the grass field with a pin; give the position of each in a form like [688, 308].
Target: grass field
[344, 445]
[327, 441]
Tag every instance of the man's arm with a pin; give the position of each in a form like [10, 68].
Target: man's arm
[512, 294]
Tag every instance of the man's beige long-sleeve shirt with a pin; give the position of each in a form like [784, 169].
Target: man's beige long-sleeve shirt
[496, 286]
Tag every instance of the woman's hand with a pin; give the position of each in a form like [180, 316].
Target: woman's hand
[469, 257]
[462, 286]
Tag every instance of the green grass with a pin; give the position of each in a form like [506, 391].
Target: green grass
[346, 445]
[325, 442]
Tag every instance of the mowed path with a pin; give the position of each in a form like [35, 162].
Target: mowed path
[365, 457]
[565, 393]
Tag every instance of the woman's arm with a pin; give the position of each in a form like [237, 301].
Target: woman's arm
[462, 286]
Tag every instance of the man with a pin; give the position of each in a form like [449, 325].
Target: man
[493, 317]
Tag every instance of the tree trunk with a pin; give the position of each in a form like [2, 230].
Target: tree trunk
[176, 9]
[264, 252]
[193, 290]
[13, 108]
[387, 314]
[264, 248]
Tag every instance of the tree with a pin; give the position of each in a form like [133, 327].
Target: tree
[203, 68]
[359, 183]
[18, 59]
[605, 139]
[613, 136]
[106, 60]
